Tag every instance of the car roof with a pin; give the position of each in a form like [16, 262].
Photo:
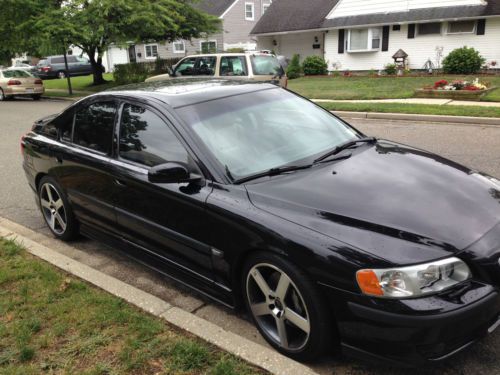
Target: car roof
[180, 92]
[248, 53]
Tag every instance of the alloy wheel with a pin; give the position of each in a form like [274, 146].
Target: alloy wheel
[61, 75]
[53, 208]
[278, 307]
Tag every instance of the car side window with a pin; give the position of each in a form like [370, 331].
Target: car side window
[186, 67]
[93, 126]
[233, 66]
[205, 66]
[146, 139]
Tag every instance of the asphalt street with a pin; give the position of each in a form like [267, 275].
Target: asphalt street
[477, 147]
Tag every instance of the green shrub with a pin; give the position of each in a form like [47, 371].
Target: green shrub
[294, 70]
[138, 72]
[235, 50]
[391, 69]
[314, 65]
[463, 60]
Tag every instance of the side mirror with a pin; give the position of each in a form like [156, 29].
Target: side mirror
[170, 173]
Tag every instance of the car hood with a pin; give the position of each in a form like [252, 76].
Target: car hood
[399, 203]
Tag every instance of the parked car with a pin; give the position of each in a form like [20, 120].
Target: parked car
[14, 82]
[254, 195]
[254, 66]
[54, 67]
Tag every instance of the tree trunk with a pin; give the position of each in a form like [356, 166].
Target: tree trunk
[96, 69]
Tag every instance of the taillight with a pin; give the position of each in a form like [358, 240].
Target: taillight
[45, 68]
[13, 82]
[38, 82]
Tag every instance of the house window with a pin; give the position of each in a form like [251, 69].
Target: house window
[362, 40]
[151, 51]
[179, 47]
[265, 7]
[249, 11]
[431, 28]
[462, 27]
[208, 46]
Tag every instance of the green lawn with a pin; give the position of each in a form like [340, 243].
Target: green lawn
[423, 109]
[82, 83]
[359, 88]
[54, 323]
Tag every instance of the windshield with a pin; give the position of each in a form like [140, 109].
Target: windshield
[254, 132]
[16, 74]
[266, 65]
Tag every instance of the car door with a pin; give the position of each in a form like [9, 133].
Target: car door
[167, 221]
[82, 159]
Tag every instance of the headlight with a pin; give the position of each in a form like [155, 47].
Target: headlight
[413, 281]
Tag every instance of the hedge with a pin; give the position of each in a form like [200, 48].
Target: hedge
[138, 72]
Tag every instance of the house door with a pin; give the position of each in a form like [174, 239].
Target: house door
[131, 54]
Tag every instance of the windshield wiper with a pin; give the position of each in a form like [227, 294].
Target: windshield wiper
[273, 172]
[344, 146]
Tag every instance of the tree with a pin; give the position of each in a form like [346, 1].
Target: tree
[93, 25]
[294, 69]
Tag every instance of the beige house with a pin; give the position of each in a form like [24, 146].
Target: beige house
[238, 18]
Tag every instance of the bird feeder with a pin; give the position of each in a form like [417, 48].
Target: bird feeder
[400, 61]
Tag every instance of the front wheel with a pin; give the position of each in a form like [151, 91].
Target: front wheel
[286, 307]
[36, 97]
[56, 210]
[61, 74]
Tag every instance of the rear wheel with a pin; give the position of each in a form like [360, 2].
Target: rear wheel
[56, 210]
[2, 96]
[36, 97]
[286, 307]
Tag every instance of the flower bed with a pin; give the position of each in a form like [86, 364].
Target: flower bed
[458, 90]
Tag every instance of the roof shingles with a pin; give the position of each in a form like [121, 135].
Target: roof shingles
[295, 15]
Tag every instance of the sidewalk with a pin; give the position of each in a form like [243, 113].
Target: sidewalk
[415, 101]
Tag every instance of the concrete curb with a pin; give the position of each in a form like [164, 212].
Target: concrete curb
[249, 351]
[490, 121]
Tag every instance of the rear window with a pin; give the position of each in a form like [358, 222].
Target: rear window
[16, 74]
[266, 65]
[57, 60]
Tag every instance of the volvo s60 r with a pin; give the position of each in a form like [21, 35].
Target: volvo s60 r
[257, 197]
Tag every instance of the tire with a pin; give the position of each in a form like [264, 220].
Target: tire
[36, 97]
[292, 300]
[56, 210]
[2, 96]
[61, 74]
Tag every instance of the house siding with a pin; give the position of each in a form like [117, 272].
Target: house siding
[346, 8]
[419, 49]
[237, 29]
[293, 43]
[166, 50]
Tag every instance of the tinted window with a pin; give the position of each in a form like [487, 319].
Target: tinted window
[57, 60]
[94, 126]
[429, 28]
[70, 59]
[50, 130]
[205, 66]
[146, 139]
[233, 66]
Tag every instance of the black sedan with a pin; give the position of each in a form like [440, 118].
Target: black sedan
[257, 197]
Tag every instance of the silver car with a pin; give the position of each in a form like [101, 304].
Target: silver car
[15, 82]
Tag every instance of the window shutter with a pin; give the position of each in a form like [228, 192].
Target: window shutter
[341, 40]
[411, 31]
[481, 27]
[385, 38]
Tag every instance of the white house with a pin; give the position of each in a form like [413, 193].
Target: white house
[365, 34]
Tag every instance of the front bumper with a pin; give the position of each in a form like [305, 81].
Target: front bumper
[419, 331]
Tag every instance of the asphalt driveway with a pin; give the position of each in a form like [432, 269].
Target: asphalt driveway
[475, 146]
